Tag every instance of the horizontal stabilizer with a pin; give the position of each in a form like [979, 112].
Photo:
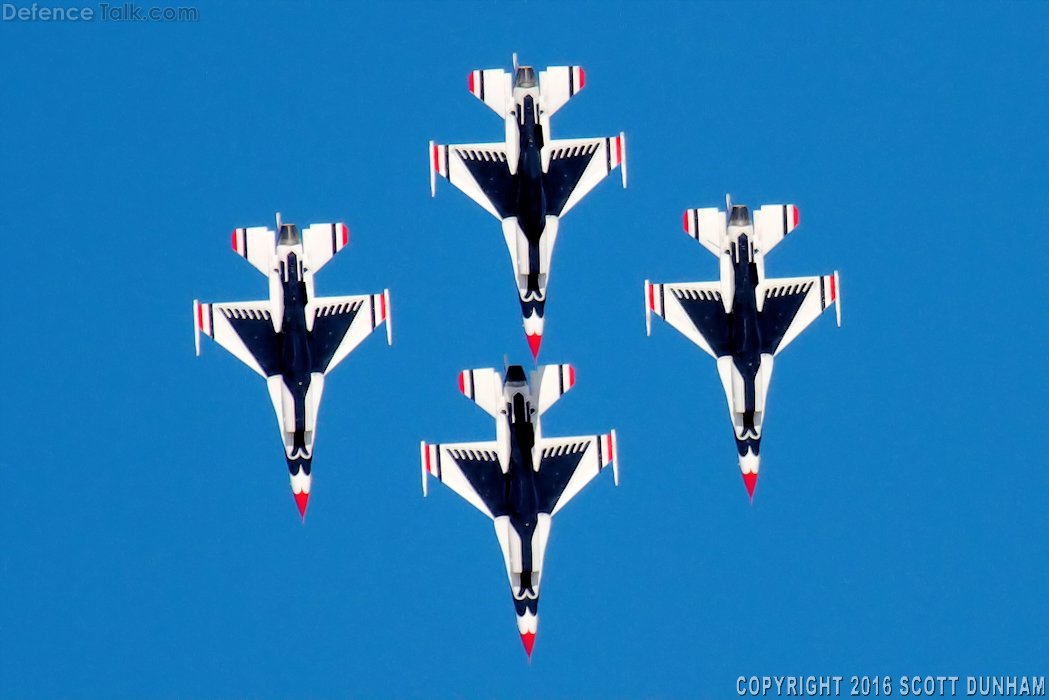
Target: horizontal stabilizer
[493, 87]
[257, 245]
[551, 382]
[484, 387]
[559, 84]
[706, 226]
[321, 242]
[773, 222]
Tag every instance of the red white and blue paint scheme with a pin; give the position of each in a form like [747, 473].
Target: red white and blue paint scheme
[745, 319]
[531, 180]
[521, 479]
[294, 338]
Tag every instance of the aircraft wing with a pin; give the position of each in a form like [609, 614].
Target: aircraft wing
[577, 165]
[694, 309]
[243, 328]
[341, 323]
[472, 470]
[480, 171]
[791, 304]
[256, 245]
[568, 464]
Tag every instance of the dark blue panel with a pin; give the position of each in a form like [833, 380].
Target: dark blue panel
[488, 480]
[710, 319]
[262, 342]
[328, 332]
[495, 180]
[561, 180]
[554, 475]
[775, 318]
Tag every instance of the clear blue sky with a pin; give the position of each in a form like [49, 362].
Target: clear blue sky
[149, 543]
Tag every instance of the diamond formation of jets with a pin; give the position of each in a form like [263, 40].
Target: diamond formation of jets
[745, 319]
[294, 338]
[531, 180]
[521, 479]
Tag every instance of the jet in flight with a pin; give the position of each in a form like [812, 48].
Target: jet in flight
[294, 338]
[745, 319]
[521, 479]
[531, 180]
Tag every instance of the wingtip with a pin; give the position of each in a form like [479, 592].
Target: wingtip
[837, 297]
[622, 156]
[432, 156]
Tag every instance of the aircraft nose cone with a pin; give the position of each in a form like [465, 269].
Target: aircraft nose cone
[528, 639]
[748, 465]
[301, 500]
[527, 626]
[533, 328]
[750, 481]
[533, 342]
[300, 489]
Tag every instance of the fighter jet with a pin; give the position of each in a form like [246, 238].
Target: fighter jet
[531, 180]
[745, 319]
[521, 479]
[294, 338]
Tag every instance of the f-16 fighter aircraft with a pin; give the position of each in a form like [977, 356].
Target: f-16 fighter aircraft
[531, 180]
[521, 479]
[294, 338]
[744, 320]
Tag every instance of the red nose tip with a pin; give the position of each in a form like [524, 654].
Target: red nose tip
[528, 639]
[751, 481]
[533, 342]
[301, 499]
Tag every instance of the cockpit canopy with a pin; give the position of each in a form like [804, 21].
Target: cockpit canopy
[525, 77]
[289, 235]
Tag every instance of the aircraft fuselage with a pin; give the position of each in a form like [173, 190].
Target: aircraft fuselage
[745, 333]
[295, 359]
[522, 498]
[531, 194]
